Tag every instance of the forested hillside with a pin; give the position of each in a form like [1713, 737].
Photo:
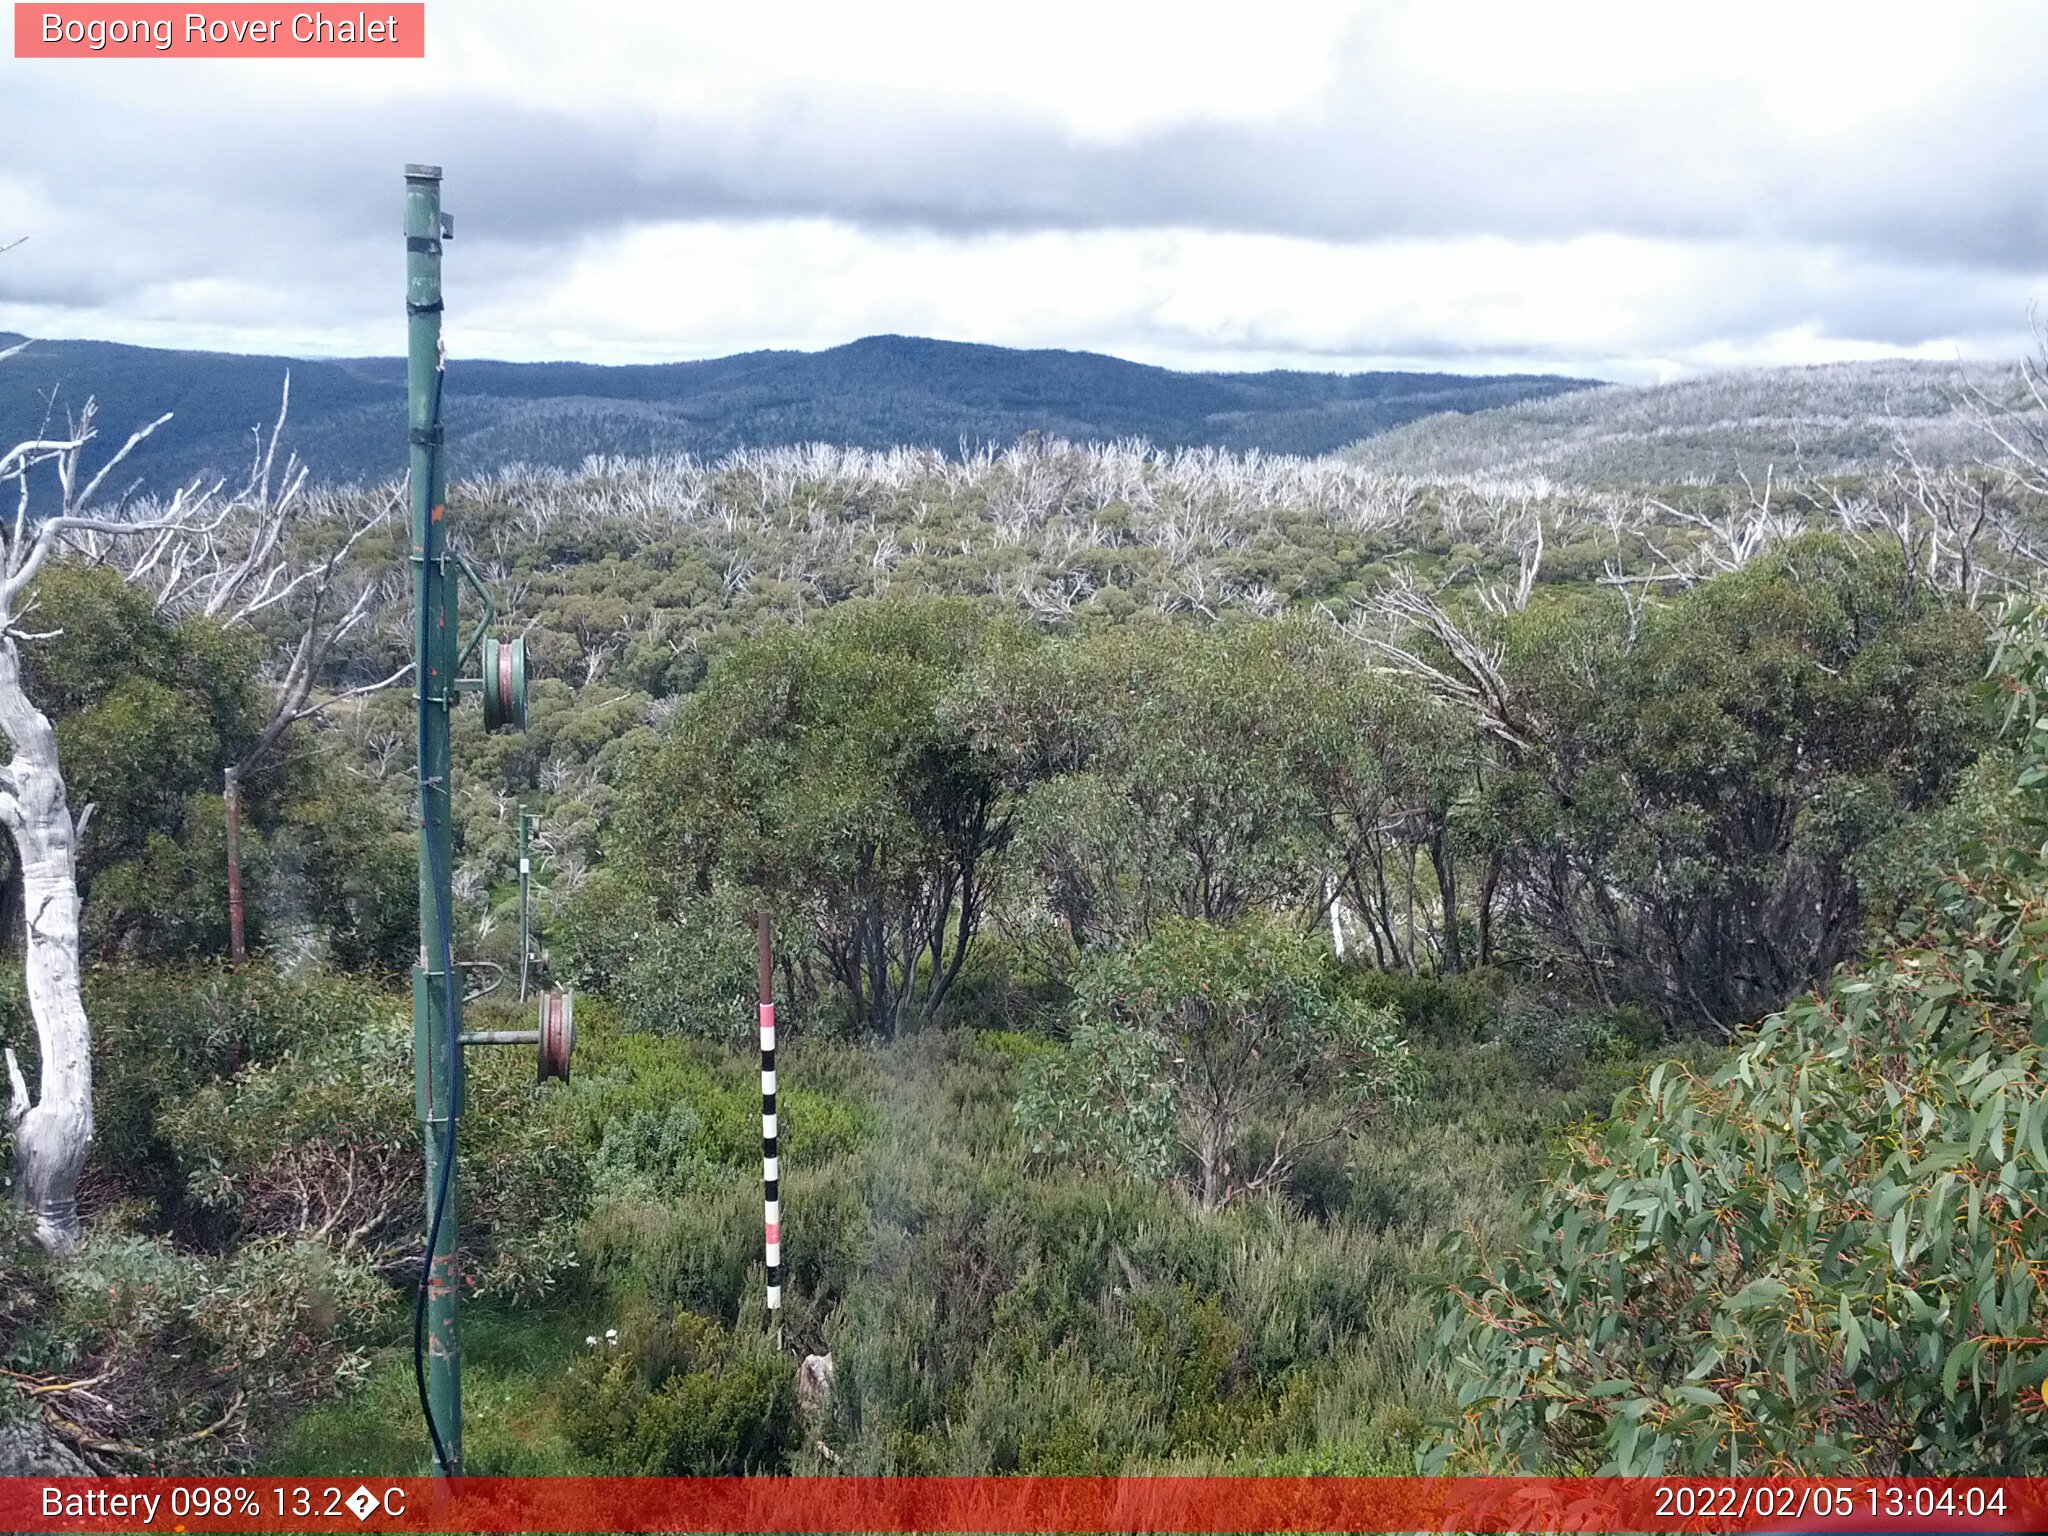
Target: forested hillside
[880, 392]
[1834, 419]
[1204, 885]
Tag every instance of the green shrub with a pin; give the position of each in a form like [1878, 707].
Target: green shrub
[322, 1143]
[163, 1035]
[1823, 1256]
[1223, 1053]
[150, 1330]
[665, 1118]
[1443, 1010]
[1559, 1041]
[684, 1399]
[1005, 985]
[26, 1294]
[691, 973]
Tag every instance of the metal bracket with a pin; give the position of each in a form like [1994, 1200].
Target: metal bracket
[501, 1037]
[497, 976]
[482, 590]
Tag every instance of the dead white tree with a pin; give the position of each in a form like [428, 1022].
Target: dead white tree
[53, 1126]
[1730, 540]
[2016, 430]
[1409, 631]
[1501, 598]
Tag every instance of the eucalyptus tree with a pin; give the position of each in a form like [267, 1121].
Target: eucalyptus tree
[1394, 788]
[53, 1126]
[1686, 793]
[258, 571]
[1825, 1254]
[815, 771]
[281, 562]
[1169, 770]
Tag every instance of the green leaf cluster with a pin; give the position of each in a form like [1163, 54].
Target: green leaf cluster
[1826, 1255]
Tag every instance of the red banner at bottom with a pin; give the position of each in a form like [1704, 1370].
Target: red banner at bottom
[994, 1504]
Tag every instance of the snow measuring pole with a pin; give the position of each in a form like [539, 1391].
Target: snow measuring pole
[439, 655]
[526, 821]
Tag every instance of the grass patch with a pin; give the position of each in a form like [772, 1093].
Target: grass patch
[514, 1363]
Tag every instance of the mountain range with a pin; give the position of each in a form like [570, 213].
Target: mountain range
[347, 414]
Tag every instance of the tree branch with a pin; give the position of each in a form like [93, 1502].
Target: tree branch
[18, 1101]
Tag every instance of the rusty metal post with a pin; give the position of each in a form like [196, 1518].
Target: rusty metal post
[231, 797]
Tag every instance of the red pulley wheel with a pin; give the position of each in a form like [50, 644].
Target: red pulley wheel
[504, 684]
[557, 1034]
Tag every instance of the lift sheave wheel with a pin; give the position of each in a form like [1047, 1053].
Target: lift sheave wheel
[504, 669]
[557, 1034]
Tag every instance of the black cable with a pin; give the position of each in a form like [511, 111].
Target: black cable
[446, 957]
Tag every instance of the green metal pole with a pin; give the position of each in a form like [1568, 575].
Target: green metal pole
[437, 1059]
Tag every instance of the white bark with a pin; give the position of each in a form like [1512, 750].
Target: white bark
[52, 1133]
[53, 1126]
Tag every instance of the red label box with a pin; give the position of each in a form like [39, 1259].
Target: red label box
[375, 30]
[1172, 1506]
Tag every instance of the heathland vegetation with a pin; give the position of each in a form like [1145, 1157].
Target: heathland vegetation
[1284, 967]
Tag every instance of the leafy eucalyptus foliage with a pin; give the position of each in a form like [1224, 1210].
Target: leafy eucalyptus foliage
[685, 966]
[1221, 1053]
[1683, 827]
[1171, 770]
[148, 712]
[815, 771]
[1826, 1255]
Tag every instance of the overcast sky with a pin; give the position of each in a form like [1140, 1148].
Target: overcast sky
[1632, 191]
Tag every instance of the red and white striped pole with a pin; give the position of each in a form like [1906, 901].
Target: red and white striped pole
[771, 1163]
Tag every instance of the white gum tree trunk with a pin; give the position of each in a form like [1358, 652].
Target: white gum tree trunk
[52, 1130]
[53, 1126]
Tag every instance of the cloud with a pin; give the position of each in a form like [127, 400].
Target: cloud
[1628, 183]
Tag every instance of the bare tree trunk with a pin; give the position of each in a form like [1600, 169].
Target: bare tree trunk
[1408, 923]
[1445, 863]
[53, 1132]
[1211, 1156]
[1488, 885]
[231, 796]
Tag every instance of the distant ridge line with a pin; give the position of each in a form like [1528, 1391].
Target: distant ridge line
[877, 392]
